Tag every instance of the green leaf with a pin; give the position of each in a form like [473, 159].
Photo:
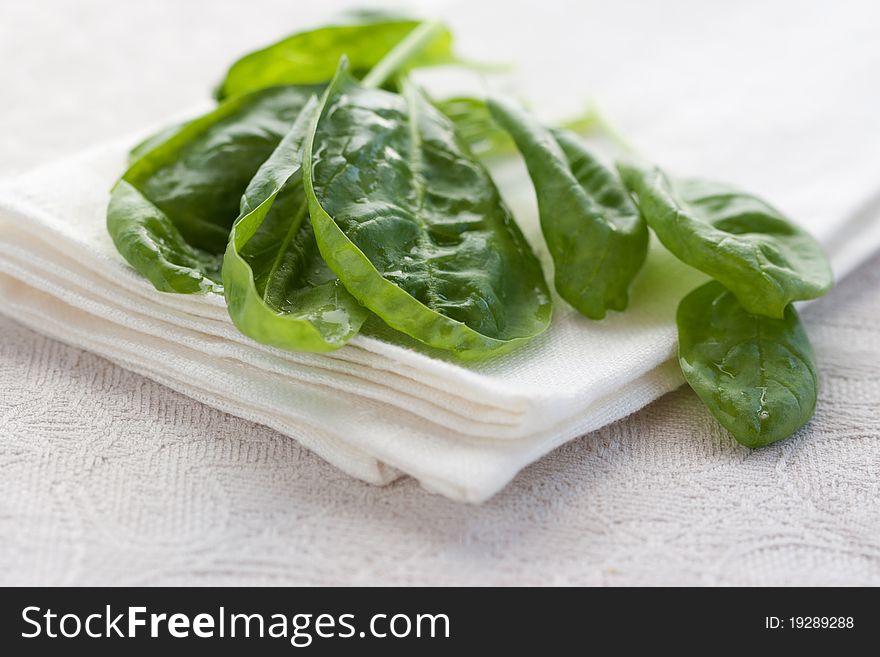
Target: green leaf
[279, 290]
[736, 238]
[153, 141]
[475, 125]
[171, 213]
[413, 225]
[756, 374]
[311, 56]
[595, 234]
[153, 245]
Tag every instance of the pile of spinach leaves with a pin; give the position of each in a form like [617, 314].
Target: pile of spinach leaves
[327, 187]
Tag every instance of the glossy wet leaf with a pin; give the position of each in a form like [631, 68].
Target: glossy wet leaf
[735, 237]
[311, 56]
[171, 213]
[595, 234]
[414, 226]
[756, 374]
[279, 290]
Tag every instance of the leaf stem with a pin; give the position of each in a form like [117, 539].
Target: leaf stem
[409, 47]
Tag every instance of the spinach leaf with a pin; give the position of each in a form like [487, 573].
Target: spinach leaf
[756, 374]
[413, 225]
[151, 142]
[595, 234]
[475, 125]
[171, 213]
[279, 290]
[735, 237]
[311, 56]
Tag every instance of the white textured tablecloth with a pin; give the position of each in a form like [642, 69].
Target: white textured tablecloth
[107, 477]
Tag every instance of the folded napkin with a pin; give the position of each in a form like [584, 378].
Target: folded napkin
[378, 409]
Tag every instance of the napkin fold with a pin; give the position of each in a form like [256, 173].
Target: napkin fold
[379, 409]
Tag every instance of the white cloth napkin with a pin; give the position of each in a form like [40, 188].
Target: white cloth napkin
[791, 114]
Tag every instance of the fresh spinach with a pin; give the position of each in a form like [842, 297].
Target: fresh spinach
[309, 214]
[595, 234]
[171, 212]
[311, 56]
[756, 374]
[475, 125]
[278, 288]
[413, 225]
[142, 148]
[735, 237]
